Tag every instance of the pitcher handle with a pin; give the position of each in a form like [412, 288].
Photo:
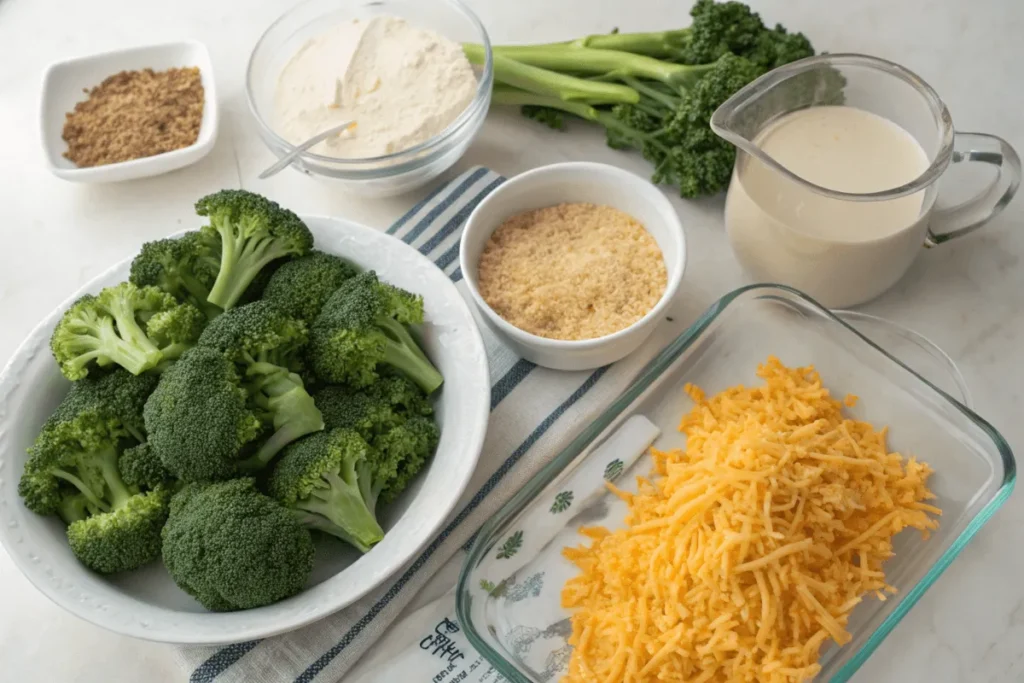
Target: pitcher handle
[957, 221]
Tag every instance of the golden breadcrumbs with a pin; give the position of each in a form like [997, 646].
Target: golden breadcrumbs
[572, 271]
[135, 114]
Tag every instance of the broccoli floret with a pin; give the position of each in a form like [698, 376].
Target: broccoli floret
[552, 118]
[141, 467]
[72, 470]
[384, 404]
[197, 420]
[134, 327]
[302, 286]
[77, 446]
[185, 267]
[777, 46]
[123, 539]
[252, 231]
[231, 547]
[362, 328]
[409, 445]
[332, 479]
[393, 416]
[266, 344]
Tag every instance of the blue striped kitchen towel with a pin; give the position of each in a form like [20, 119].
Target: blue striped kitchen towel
[534, 413]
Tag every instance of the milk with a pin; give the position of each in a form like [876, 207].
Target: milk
[840, 252]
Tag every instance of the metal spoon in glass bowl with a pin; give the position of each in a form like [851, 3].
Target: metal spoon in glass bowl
[288, 158]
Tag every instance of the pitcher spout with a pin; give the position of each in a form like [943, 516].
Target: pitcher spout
[809, 82]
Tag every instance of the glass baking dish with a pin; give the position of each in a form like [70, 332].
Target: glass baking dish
[509, 590]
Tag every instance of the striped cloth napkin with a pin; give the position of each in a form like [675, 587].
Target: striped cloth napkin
[534, 413]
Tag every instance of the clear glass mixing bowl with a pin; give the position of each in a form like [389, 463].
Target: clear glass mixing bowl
[392, 173]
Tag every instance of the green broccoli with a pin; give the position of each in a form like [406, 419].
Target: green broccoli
[125, 538]
[185, 267]
[362, 328]
[72, 471]
[409, 445]
[231, 547]
[671, 131]
[655, 92]
[302, 286]
[266, 344]
[716, 28]
[252, 231]
[134, 327]
[393, 416]
[198, 420]
[140, 466]
[78, 445]
[332, 479]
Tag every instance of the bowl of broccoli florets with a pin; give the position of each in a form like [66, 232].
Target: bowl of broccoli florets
[242, 429]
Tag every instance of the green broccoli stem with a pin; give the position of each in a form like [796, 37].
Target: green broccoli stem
[242, 258]
[657, 44]
[83, 488]
[513, 97]
[342, 512]
[133, 356]
[585, 60]
[129, 329]
[74, 508]
[174, 351]
[283, 396]
[547, 82]
[369, 486]
[116, 493]
[402, 352]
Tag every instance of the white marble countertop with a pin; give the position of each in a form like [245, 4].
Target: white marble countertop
[968, 296]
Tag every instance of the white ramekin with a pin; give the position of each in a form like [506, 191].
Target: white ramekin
[576, 182]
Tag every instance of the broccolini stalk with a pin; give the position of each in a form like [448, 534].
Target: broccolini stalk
[657, 44]
[544, 82]
[515, 97]
[583, 60]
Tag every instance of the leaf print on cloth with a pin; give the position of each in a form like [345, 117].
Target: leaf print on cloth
[562, 502]
[613, 470]
[556, 664]
[511, 546]
[530, 587]
[560, 629]
[521, 638]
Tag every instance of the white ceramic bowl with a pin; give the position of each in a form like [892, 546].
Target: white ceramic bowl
[576, 182]
[147, 604]
[63, 86]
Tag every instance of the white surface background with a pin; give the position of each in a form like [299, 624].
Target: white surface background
[968, 296]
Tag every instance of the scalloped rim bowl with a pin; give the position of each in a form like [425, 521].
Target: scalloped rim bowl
[146, 604]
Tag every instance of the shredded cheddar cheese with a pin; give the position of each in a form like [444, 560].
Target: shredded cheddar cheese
[744, 554]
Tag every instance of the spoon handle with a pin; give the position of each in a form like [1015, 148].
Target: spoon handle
[288, 158]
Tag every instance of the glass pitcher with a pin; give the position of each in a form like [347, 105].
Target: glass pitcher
[844, 248]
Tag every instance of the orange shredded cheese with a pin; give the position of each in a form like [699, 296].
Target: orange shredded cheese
[746, 553]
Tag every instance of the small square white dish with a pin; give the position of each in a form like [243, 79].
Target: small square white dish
[66, 83]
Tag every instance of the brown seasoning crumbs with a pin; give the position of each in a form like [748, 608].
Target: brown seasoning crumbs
[572, 271]
[135, 114]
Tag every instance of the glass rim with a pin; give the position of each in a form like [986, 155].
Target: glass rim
[940, 114]
[485, 537]
[396, 161]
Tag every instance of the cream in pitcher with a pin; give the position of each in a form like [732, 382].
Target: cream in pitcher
[834, 195]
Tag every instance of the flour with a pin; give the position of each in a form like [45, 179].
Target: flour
[401, 85]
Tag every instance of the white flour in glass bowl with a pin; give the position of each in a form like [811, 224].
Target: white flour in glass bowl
[401, 85]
